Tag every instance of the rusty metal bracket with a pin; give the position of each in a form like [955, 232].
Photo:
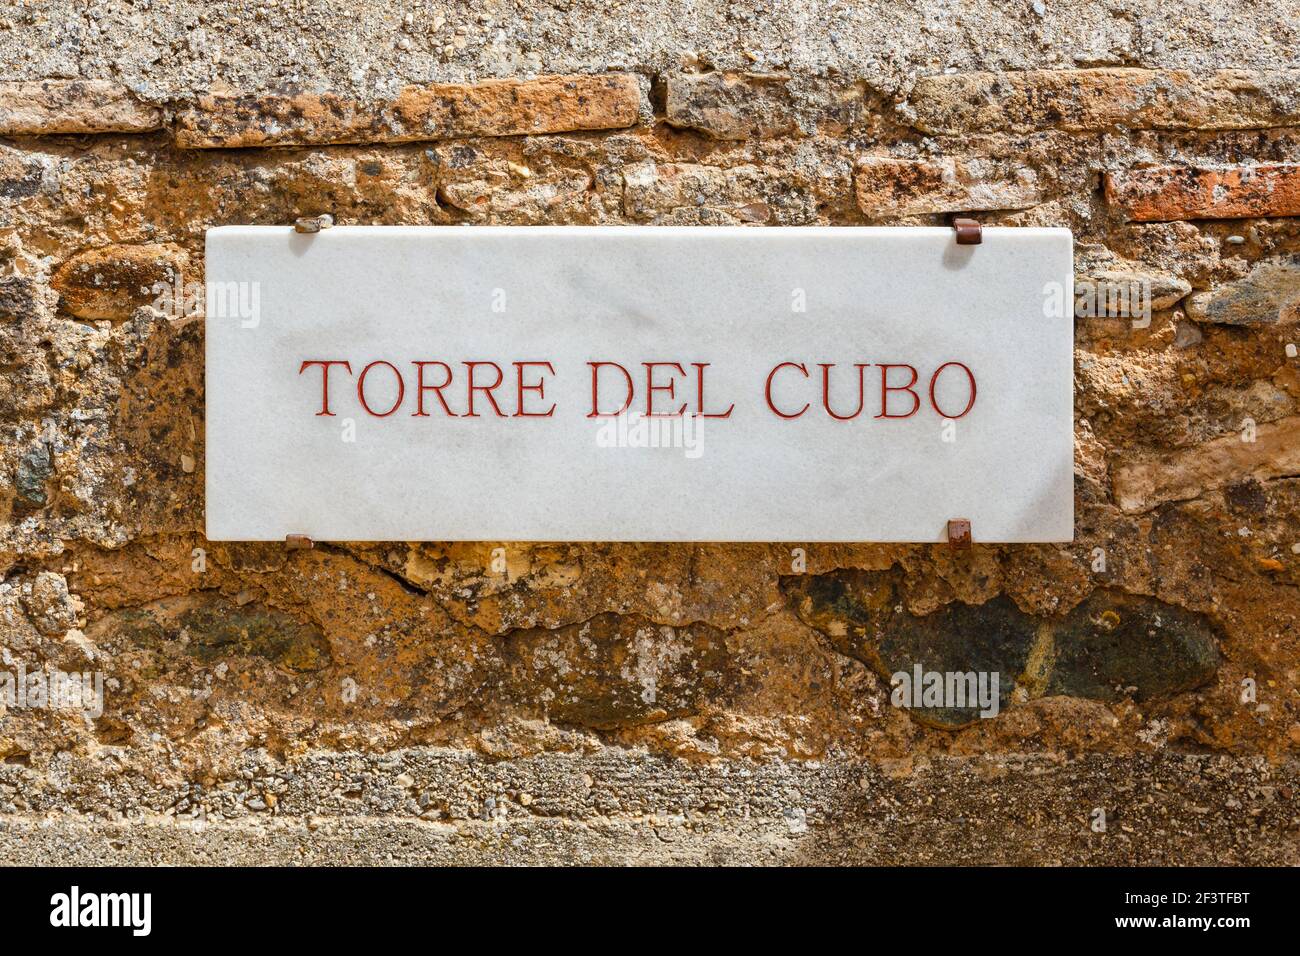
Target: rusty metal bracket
[959, 534]
[311, 224]
[298, 542]
[969, 232]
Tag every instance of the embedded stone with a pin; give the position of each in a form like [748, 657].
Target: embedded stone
[1116, 645]
[1268, 295]
[656, 191]
[1270, 450]
[1111, 646]
[48, 604]
[218, 629]
[864, 615]
[1119, 292]
[35, 468]
[113, 281]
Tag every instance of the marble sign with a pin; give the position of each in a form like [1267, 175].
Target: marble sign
[638, 384]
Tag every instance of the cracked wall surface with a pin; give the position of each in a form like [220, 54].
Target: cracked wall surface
[506, 702]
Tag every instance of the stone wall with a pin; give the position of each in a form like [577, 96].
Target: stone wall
[655, 702]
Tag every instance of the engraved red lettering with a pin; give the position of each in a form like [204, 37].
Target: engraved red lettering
[768, 391]
[886, 388]
[421, 387]
[361, 389]
[595, 390]
[826, 390]
[699, 395]
[934, 379]
[471, 388]
[670, 388]
[539, 387]
[325, 380]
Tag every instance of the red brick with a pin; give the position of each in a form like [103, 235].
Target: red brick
[1164, 193]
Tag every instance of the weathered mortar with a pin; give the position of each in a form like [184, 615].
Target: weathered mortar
[652, 675]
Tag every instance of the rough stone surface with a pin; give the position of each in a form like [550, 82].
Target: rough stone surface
[187, 46]
[431, 806]
[420, 702]
[663, 672]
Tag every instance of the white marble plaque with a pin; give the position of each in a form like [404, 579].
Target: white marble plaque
[638, 384]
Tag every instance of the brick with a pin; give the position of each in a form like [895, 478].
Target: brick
[1167, 193]
[475, 185]
[1099, 99]
[730, 106]
[552, 104]
[735, 106]
[1190, 472]
[692, 193]
[907, 187]
[50, 107]
[1268, 295]
[114, 281]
